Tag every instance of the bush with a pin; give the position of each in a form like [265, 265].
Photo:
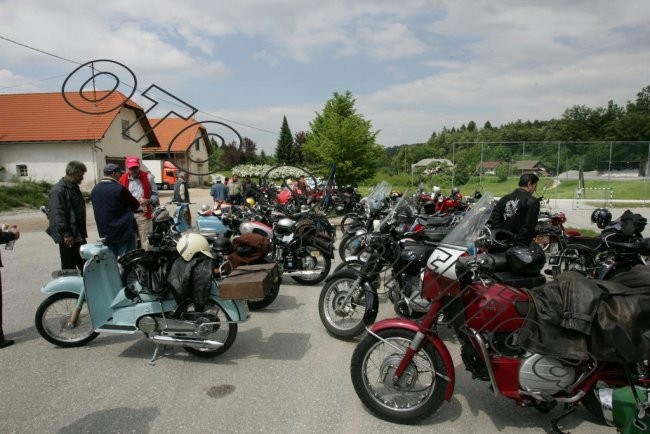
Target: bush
[27, 194]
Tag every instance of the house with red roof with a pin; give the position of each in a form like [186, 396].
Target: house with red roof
[41, 132]
[183, 142]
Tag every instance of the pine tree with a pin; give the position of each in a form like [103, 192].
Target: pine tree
[285, 152]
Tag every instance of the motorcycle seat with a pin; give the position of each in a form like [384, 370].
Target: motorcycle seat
[429, 221]
[519, 281]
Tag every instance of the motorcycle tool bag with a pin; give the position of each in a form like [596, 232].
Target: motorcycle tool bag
[249, 282]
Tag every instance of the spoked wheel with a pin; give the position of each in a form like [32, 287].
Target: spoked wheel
[351, 245]
[416, 395]
[316, 265]
[219, 330]
[343, 317]
[350, 219]
[53, 321]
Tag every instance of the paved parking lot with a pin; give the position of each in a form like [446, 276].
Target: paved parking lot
[284, 373]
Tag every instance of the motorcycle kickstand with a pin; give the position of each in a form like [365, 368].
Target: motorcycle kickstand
[155, 356]
[555, 420]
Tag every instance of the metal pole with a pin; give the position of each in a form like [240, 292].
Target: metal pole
[453, 160]
[609, 170]
[557, 170]
[480, 170]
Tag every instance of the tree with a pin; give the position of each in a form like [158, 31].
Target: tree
[214, 159]
[285, 152]
[248, 149]
[340, 135]
[299, 139]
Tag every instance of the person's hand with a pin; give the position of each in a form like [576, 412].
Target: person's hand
[68, 241]
[144, 201]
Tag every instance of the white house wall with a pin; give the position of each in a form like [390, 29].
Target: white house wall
[46, 161]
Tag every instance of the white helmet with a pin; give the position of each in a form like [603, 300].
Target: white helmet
[436, 189]
[190, 244]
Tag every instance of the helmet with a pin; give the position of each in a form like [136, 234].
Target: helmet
[190, 244]
[222, 245]
[161, 216]
[526, 259]
[602, 217]
[455, 190]
[250, 201]
[436, 189]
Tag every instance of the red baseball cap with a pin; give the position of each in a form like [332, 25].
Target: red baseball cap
[132, 161]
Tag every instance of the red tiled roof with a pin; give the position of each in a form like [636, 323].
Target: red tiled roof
[167, 130]
[38, 117]
[490, 164]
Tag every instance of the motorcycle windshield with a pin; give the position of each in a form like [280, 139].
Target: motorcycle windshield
[376, 197]
[400, 206]
[472, 224]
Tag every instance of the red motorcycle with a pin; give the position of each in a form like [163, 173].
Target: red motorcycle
[403, 371]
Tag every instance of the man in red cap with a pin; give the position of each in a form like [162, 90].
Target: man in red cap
[142, 186]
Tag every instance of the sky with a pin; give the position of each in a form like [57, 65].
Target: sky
[413, 66]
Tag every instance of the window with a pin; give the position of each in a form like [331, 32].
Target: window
[125, 127]
[21, 170]
[197, 145]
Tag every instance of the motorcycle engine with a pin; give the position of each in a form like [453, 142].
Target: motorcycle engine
[412, 288]
[545, 374]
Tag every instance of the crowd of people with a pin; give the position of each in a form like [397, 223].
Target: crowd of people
[123, 203]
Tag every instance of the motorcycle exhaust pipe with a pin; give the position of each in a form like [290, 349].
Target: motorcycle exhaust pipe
[185, 342]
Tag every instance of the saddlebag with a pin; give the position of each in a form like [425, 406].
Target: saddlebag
[575, 317]
[249, 282]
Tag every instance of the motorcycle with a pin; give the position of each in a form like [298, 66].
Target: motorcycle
[78, 308]
[349, 300]
[402, 370]
[550, 232]
[617, 249]
[299, 245]
[209, 223]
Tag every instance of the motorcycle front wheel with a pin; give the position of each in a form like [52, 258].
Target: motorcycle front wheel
[220, 331]
[316, 265]
[343, 319]
[416, 395]
[53, 321]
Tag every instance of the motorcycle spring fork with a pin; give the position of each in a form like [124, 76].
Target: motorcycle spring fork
[408, 356]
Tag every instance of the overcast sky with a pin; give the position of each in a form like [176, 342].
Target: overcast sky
[414, 66]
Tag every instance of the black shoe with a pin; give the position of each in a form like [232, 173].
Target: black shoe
[6, 342]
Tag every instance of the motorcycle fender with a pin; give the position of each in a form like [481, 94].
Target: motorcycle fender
[236, 309]
[72, 284]
[346, 272]
[371, 300]
[439, 345]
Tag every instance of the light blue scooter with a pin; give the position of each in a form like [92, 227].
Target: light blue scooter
[79, 308]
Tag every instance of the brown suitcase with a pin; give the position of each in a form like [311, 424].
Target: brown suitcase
[249, 281]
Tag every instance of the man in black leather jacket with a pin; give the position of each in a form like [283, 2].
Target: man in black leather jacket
[518, 211]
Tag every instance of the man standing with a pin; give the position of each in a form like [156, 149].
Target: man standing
[181, 193]
[219, 192]
[67, 216]
[518, 211]
[234, 191]
[113, 206]
[143, 188]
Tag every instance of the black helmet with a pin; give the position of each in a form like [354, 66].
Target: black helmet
[602, 217]
[455, 191]
[526, 259]
[222, 245]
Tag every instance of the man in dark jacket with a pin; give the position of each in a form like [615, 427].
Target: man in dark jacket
[67, 216]
[518, 211]
[181, 193]
[113, 206]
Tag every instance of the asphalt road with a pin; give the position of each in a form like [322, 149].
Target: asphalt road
[284, 373]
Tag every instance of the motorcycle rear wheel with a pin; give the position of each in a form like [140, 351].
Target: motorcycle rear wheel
[343, 320]
[420, 391]
[52, 321]
[315, 260]
[225, 333]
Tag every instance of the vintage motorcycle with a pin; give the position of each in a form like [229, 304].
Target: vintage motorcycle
[403, 371]
[78, 308]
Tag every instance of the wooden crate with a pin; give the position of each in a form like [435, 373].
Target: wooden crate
[249, 282]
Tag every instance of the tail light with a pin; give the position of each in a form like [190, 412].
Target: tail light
[558, 219]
